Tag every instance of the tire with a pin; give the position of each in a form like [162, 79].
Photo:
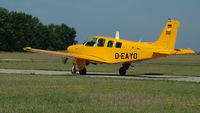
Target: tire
[83, 71]
[122, 71]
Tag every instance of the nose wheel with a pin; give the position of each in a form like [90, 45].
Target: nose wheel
[83, 71]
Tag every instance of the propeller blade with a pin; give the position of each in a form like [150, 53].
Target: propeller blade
[65, 60]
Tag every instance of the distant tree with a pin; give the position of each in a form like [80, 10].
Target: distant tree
[3, 18]
[61, 36]
[18, 30]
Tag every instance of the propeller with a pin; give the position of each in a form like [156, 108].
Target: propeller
[65, 60]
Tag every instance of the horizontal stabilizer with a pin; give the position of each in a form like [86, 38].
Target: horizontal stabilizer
[165, 51]
[184, 51]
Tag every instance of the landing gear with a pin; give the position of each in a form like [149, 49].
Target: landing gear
[73, 70]
[122, 70]
[83, 71]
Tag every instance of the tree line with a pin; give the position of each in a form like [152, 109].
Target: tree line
[18, 30]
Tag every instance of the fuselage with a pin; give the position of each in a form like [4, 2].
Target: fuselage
[111, 50]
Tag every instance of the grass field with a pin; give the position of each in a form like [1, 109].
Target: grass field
[173, 65]
[78, 94]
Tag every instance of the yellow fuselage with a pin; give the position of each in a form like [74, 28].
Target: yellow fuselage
[128, 52]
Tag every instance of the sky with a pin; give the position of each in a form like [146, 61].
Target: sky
[134, 19]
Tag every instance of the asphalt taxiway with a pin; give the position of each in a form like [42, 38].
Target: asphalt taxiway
[105, 75]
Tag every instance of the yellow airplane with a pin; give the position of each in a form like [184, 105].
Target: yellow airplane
[98, 49]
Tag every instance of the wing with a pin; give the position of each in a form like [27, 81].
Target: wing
[94, 59]
[48, 52]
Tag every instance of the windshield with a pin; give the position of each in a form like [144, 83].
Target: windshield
[91, 42]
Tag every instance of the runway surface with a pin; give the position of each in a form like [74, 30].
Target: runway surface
[105, 75]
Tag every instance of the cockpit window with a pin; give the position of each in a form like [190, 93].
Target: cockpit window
[110, 43]
[118, 45]
[101, 42]
[91, 42]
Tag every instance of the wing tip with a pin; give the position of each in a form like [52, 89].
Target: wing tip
[27, 48]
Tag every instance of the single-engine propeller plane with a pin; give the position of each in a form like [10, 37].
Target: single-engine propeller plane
[99, 49]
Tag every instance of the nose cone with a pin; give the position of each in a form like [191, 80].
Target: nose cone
[73, 48]
[70, 49]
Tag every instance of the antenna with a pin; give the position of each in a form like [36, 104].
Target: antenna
[141, 38]
[117, 35]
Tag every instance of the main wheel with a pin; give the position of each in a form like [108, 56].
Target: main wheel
[83, 71]
[122, 71]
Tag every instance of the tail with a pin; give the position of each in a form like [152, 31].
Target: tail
[167, 38]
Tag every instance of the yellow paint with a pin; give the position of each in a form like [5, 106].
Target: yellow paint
[101, 49]
[184, 51]
[167, 38]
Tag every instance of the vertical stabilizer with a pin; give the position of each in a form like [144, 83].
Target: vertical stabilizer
[167, 38]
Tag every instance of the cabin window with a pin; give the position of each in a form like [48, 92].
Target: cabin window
[169, 25]
[118, 45]
[101, 42]
[91, 42]
[110, 43]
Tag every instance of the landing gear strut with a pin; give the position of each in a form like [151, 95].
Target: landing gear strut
[122, 70]
[83, 71]
[73, 70]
